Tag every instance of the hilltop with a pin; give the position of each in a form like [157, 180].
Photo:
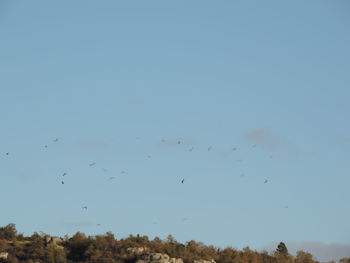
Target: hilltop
[106, 248]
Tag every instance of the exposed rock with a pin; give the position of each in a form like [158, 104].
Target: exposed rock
[204, 261]
[4, 255]
[158, 258]
[55, 241]
[137, 250]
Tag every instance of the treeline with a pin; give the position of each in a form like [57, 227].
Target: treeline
[41, 248]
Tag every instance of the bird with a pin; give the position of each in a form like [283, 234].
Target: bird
[84, 207]
[122, 172]
[182, 181]
[92, 164]
[62, 182]
[55, 140]
[266, 181]
[210, 147]
[234, 149]
[178, 142]
[7, 153]
[64, 174]
[163, 140]
[45, 146]
[285, 206]
[111, 178]
[98, 224]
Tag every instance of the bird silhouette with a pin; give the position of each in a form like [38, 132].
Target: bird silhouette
[62, 182]
[84, 207]
[182, 181]
[92, 164]
[55, 140]
[64, 174]
[210, 147]
[266, 181]
[178, 142]
[234, 149]
[7, 153]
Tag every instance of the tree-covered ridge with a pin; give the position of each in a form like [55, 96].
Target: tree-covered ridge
[42, 248]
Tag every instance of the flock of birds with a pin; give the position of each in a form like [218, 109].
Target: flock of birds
[209, 148]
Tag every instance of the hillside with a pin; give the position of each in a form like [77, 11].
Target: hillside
[106, 248]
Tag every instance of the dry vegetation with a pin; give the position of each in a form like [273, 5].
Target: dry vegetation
[41, 248]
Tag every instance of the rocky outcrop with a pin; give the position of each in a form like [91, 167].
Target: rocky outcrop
[204, 261]
[143, 255]
[54, 241]
[4, 255]
[157, 258]
[137, 250]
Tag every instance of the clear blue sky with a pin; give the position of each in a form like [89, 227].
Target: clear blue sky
[111, 79]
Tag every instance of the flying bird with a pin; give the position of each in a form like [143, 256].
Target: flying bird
[84, 207]
[55, 140]
[92, 164]
[266, 181]
[64, 174]
[234, 149]
[178, 142]
[45, 146]
[286, 206]
[62, 182]
[182, 181]
[7, 153]
[210, 147]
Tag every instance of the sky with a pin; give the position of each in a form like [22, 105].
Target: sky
[222, 94]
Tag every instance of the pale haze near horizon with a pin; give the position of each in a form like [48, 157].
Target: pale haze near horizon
[264, 84]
